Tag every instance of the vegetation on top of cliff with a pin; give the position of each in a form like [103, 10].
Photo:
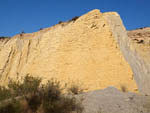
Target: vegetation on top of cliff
[141, 28]
[21, 34]
[71, 20]
[3, 37]
[31, 96]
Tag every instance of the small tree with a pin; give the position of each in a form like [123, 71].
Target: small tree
[60, 22]
[21, 34]
[74, 19]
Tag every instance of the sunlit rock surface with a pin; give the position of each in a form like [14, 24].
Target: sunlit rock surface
[85, 51]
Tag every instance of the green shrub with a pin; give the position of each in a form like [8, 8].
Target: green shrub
[63, 105]
[49, 97]
[75, 89]
[34, 101]
[56, 102]
[4, 37]
[74, 19]
[11, 107]
[40, 29]
[21, 34]
[29, 85]
[51, 91]
[60, 22]
[4, 93]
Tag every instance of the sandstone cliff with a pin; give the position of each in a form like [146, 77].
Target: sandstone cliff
[86, 51]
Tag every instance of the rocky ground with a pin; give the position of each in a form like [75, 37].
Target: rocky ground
[111, 100]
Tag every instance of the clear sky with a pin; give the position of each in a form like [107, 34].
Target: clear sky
[31, 15]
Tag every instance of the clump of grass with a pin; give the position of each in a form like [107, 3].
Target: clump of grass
[123, 88]
[75, 89]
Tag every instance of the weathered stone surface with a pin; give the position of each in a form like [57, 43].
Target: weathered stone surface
[84, 51]
[111, 100]
[137, 54]
[141, 35]
[139, 58]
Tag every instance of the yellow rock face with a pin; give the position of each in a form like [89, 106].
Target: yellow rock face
[83, 51]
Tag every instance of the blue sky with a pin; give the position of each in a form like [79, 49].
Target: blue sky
[31, 15]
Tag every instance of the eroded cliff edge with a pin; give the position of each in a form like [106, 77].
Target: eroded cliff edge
[139, 58]
[136, 51]
[85, 51]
